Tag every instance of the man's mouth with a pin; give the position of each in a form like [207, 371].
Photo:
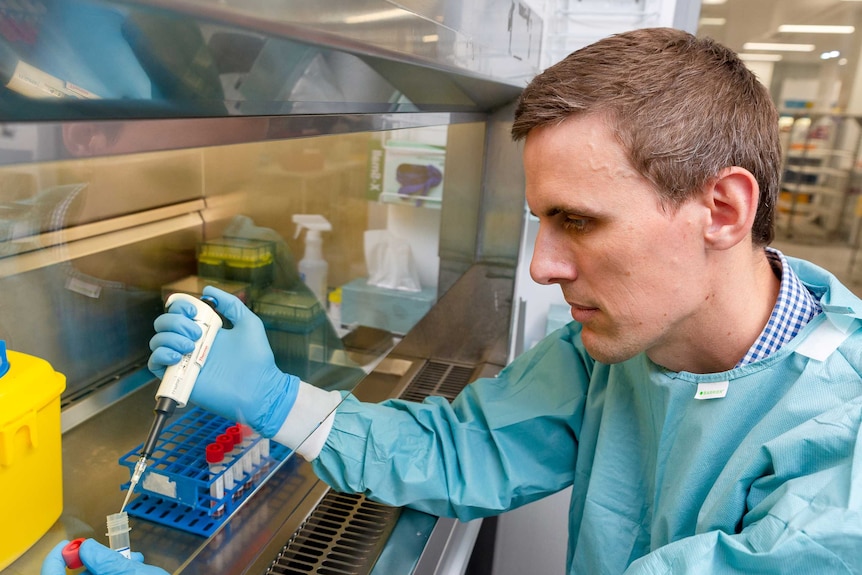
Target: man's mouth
[582, 313]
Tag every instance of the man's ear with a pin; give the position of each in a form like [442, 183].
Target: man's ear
[731, 199]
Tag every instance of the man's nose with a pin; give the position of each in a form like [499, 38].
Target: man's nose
[551, 262]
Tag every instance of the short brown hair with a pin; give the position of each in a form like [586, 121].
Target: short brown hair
[685, 108]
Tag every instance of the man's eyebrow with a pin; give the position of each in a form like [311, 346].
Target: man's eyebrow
[568, 210]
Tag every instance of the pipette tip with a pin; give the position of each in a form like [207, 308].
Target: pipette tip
[140, 466]
[126, 500]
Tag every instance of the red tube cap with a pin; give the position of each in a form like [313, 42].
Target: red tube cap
[235, 433]
[215, 453]
[70, 553]
[226, 442]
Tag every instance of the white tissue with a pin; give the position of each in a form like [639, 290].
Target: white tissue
[390, 262]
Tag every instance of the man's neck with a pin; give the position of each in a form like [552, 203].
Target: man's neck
[730, 321]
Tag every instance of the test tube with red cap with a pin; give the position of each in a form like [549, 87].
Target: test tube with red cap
[218, 480]
[239, 470]
[232, 469]
[251, 445]
[265, 461]
[263, 449]
[244, 449]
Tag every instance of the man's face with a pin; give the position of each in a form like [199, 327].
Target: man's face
[632, 271]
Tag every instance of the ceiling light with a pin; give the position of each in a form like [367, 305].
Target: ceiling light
[714, 21]
[761, 57]
[778, 47]
[376, 16]
[430, 38]
[716, 2]
[814, 29]
[830, 55]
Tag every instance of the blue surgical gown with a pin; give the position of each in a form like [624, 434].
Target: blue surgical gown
[767, 479]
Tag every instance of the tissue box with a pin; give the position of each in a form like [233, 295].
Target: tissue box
[393, 310]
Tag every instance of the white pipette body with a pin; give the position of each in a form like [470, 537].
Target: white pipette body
[180, 378]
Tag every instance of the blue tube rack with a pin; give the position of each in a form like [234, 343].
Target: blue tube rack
[175, 488]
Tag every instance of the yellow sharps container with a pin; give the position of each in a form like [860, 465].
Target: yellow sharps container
[31, 471]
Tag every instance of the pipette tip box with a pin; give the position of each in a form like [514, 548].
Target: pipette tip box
[297, 330]
[237, 259]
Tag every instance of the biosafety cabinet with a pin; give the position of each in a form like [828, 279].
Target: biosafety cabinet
[159, 146]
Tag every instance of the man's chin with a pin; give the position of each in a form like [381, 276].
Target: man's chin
[606, 350]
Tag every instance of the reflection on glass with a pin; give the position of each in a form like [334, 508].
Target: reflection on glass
[90, 248]
[90, 59]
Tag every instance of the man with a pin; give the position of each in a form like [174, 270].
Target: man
[705, 404]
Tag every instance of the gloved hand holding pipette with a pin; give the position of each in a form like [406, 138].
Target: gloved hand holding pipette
[240, 380]
[98, 560]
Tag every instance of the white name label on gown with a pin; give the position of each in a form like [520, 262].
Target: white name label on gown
[712, 390]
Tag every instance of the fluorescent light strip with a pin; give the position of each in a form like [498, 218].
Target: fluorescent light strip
[779, 47]
[761, 57]
[717, 2]
[714, 21]
[814, 29]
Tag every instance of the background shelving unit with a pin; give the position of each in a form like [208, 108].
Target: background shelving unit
[818, 183]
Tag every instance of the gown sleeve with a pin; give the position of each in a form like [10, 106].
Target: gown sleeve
[804, 517]
[503, 442]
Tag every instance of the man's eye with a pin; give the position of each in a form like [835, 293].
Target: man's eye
[576, 224]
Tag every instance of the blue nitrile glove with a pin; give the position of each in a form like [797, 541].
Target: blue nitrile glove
[239, 380]
[98, 560]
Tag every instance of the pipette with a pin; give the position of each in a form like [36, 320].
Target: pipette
[179, 380]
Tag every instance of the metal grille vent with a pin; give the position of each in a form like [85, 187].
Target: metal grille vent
[343, 536]
[437, 378]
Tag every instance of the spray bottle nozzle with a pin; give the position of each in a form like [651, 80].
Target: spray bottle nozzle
[311, 222]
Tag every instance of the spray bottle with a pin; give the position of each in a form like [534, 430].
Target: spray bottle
[312, 267]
